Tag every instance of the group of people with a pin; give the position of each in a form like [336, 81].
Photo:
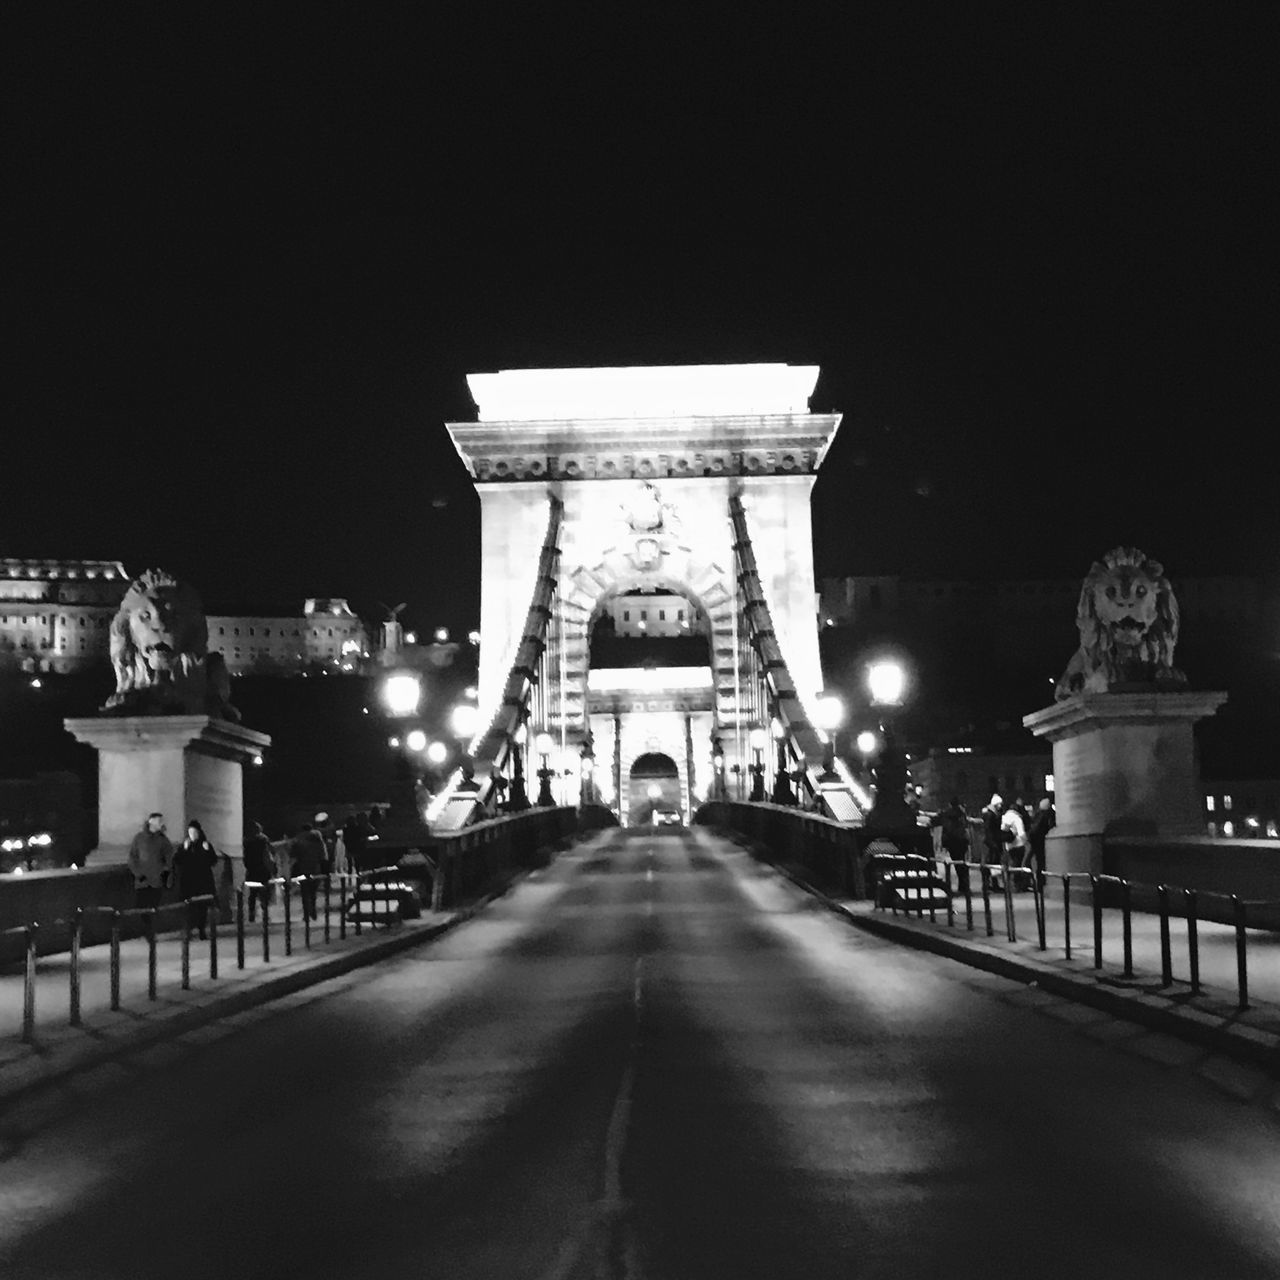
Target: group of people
[1012, 834]
[201, 873]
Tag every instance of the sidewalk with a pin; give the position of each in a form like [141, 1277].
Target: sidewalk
[60, 1050]
[1211, 1019]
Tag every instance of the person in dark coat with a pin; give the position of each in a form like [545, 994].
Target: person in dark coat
[195, 859]
[1042, 822]
[259, 868]
[993, 840]
[151, 861]
[953, 822]
[356, 834]
[308, 855]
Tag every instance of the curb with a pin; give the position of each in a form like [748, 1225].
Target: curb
[271, 987]
[1250, 1045]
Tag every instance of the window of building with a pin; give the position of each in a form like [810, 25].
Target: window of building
[251, 631]
[235, 631]
[644, 615]
[679, 615]
[626, 615]
[1226, 803]
[662, 615]
[1209, 803]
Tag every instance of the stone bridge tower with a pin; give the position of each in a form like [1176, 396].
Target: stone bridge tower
[642, 467]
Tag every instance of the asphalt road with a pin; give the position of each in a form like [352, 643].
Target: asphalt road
[654, 1059]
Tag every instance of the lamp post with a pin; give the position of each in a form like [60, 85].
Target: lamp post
[830, 716]
[717, 765]
[519, 798]
[587, 792]
[544, 744]
[782, 793]
[886, 681]
[758, 739]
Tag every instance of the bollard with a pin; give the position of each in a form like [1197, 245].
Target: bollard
[1193, 939]
[151, 954]
[1010, 924]
[240, 928]
[1066, 913]
[328, 901]
[1166, 949]
[1126, 913]
[115, 960]
[342, 907]
[1242, 950]
[288, 915]
[1097, 922]
[986, 898]
[308, 900]
[213, 940]
[359, 880]
[951, 906]
[968, 898]
[266, 929]
[930, 877]
[77, 937]
[29, 987]
[186, 955]
[1037, 887]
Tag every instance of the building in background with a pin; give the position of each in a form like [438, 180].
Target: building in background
[55, 614]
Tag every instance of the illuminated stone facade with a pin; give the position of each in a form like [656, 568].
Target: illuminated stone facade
[645, 462]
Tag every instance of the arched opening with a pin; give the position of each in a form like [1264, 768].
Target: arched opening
[655, 791]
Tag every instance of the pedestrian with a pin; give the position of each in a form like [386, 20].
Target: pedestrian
[150, 859]
[1042, 822]
[954, 829]
[1014, 830]
[196, 859]
[308, 854]
[992, 834]
[357, 833]
[339, 853]
[258, 869]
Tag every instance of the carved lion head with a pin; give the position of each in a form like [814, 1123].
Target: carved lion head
[1127, 610]
[158, 633]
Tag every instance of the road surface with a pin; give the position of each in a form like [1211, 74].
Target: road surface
[653, 1059]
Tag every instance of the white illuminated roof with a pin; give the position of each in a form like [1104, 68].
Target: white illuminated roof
[643, 391]
[623, 679]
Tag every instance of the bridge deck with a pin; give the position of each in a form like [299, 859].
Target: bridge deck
[652, 1059]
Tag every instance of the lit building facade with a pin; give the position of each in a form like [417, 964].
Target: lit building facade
[55, 616]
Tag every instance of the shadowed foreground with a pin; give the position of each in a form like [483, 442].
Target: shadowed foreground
[653, 1060]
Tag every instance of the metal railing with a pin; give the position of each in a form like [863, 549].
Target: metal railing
[1093, 894]
[378, 910]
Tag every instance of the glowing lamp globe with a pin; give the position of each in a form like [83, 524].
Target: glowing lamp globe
[758, 738]
[543, 743]
[653, 791]
[464, 721]
[829, 712]
[777, 730]
[866, 742]
[437, 753]
[416, 740]
[401, 693]
[886, 681]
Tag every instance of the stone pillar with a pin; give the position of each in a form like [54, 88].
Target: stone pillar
[181, 766]
[1123, 764]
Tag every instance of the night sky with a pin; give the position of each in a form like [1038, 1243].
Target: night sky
[251, 258]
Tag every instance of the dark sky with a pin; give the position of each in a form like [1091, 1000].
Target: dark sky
[251, 258]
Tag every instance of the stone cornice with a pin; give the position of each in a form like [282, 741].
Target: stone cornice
[149, 733]
[644, 448]
[1076, 715]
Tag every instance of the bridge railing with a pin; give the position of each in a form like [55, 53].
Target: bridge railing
[827, 849]
[297, 913]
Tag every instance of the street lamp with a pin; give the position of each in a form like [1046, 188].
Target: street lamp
[401, 693]
[782, 793]
[519, 798]
[758, 739]
[866, 743]
[544, 744]
[829, 716]
[717, 764]
[587, 765]
[464, 721]
[886, 681]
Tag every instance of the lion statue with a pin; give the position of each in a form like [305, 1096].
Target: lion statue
[159, 650]
[1128, 621]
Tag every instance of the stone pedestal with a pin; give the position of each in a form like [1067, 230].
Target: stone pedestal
[1123, 764]
[181, 766]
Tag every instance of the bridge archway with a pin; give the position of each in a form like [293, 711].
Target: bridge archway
[654, 787]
